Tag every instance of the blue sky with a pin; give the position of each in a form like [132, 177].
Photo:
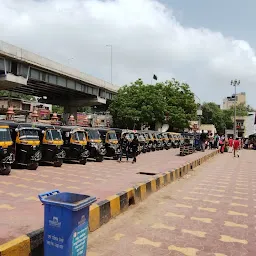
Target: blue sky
[233, 18]
[203, 43]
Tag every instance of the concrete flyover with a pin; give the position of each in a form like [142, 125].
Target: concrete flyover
[26, 72]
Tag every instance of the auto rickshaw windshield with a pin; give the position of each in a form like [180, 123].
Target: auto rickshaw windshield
[165, 136]
[112, 136]
[150, 136]
[159, 136]
[93, 135]
[131, 135]
[141, 137]
[29, 134]
[53, 135]
[5, 134]
[80, 136]
[146, 136]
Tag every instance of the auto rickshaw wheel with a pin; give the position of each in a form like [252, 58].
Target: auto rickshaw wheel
[58, 163]
[33, 166]
[6, 170]
[83, 161]
[99, 158]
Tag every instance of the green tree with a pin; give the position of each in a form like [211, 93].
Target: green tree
[212, 114]
[85, 109]
[139, 103]
[57, 109]
[16, 95]
[241, 110]
[222, 119]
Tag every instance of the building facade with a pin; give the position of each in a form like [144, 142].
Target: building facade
[228, 102]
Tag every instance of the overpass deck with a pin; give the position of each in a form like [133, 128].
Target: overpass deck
[26, 72]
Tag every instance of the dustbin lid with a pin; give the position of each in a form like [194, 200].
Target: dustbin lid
[71, 201]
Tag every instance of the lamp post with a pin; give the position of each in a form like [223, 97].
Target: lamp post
[199, 111]
[235, 83]
[111, 61]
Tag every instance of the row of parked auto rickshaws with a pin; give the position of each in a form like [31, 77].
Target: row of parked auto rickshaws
[26, 144]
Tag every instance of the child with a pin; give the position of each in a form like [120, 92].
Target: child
[236, 146]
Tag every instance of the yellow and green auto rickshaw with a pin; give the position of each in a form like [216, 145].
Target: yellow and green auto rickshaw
[110, 142]
[26, 144]
[95, 145]
[6, 149]
[174, 139]
[158, 140]
[166, 141]
[75, 144]
[143, 145]
[151, 141]
[51, 144]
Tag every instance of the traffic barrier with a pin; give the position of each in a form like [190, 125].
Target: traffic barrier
[101, 212]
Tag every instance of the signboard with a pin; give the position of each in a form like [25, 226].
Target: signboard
[199, 112]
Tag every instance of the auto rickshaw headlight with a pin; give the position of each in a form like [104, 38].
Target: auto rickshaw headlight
[93, 144]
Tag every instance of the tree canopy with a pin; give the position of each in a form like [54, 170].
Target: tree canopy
[143, 104]
[16, 95]
[222, 119]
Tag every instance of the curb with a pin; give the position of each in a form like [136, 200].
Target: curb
[101, 212]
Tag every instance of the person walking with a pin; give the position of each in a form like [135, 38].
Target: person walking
[216, 141]
[124, 145]
[236, 146]
[230, 144]
[134, 146]
[211, 141]
[222, 145]
[203, 138]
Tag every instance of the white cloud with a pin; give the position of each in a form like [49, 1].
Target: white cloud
[146, 39]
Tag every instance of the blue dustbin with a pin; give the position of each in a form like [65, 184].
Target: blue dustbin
[66, 217]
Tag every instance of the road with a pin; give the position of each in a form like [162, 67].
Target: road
[210, 212]
[21, 212]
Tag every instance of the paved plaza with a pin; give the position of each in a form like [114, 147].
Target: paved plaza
[209, 212]
[21, 211]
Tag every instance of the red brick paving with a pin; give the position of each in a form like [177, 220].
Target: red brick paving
[21, 212]
[210, 212]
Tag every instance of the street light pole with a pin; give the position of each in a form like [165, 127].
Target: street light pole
[235, 83]
[111, 61]
[199, 111]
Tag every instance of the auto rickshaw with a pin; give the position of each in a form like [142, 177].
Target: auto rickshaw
[27, 144]
[166, 140]
[118, 132]
[158, 139]
[110, 142]
[51, 144]
[142, 142]
[6, 149]
[149, 141]
[152, 141]
[173, 139]
[75, 144]
[95, 145]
